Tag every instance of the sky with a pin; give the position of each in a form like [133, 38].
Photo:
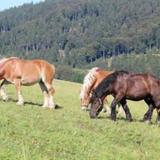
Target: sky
[6, 4]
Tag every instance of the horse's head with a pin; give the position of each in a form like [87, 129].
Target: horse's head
[96, 106]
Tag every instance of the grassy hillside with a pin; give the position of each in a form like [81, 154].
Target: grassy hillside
[34, 133]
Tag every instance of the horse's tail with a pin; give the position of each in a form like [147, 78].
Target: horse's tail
[54, 70]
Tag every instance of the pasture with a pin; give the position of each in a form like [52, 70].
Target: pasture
[67, 133]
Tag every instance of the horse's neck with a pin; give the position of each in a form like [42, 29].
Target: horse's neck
[106, 73]
[100, 76]
[88, 84]
[93, 79]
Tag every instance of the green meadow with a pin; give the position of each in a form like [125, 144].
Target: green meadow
[31, 132]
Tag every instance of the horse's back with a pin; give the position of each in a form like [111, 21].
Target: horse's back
[146, 79]
[42, 67]
[29, 71]
[36, 63]
[142, 85]
[46, 68]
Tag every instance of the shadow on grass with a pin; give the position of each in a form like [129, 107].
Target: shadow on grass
[124, 119]
[31, 103]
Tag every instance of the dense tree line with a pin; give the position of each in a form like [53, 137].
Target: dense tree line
[137, 63]
[81, 32]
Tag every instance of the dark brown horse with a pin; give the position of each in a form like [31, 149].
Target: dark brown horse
[124, 85]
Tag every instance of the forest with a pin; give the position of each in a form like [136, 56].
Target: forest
[77, 35]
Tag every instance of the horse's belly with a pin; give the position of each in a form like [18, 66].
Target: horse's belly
[29, 81]
[136, 92]
[136, 97]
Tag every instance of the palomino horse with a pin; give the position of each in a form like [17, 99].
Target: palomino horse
[124, 85]
[90, 82]
[28, 72]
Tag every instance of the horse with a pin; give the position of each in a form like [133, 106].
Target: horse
[90, 82]
[28, 72]
[124, 85]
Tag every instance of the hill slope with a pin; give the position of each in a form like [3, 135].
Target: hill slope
[31, 132]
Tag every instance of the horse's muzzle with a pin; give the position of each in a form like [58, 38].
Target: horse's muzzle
[92, 115]
[85, 108]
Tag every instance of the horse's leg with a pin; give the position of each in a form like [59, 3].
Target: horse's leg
[17, 83]
[45, 94]
[113, 109]
[50, 91]
[3, 90]
[156, 104]
[148, 115]
[123, 102]
[158, 116]
[115, 101]
[120, 110]
[106, 107]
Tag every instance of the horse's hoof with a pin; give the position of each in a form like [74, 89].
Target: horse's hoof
[5, 98]
[158, 122]
[20, 103]
[52, 107]
[108, 113]
[147, 121]
[104, 110]
[113, 119]
[44, 106]
[130, 120]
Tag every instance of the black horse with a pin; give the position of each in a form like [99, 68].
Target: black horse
[124, 85]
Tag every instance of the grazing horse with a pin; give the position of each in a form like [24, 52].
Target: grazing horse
[28, 72]
[124, 85]
[90, 82]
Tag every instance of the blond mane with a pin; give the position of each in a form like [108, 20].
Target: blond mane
[4, 59]
[88, 82]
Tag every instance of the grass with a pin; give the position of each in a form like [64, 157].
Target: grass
[67, 133]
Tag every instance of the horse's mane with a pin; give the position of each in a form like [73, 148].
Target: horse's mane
[4, 60]
[88, 81]
[102, 88]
